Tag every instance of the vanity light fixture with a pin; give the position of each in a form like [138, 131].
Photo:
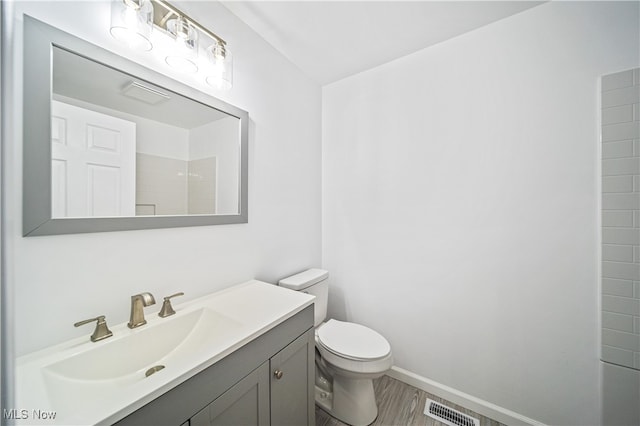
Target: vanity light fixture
[220, 70]
[185, 44]
[132, 22]
[183, 52]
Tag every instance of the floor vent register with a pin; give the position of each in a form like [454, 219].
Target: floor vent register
[447, 415]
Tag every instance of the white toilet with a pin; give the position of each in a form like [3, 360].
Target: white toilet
[348, 356]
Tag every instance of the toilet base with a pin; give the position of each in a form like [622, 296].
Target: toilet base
[352, 401]
[324, 399]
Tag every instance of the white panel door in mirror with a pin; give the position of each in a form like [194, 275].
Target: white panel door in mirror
[93, 163]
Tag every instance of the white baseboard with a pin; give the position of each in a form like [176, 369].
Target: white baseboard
[471, 402]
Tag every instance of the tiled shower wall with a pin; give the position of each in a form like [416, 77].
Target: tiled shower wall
[161, 185]
[170, 186]
[621, 218]
[202, 186]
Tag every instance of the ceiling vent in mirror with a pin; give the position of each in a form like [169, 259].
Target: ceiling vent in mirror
[185, 44]
[144, 94]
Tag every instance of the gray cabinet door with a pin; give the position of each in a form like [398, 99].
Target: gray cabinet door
[292, 383]
[245, 403]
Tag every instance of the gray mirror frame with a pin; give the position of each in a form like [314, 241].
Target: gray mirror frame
[39, 39]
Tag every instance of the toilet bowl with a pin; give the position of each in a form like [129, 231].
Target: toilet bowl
[348, 356]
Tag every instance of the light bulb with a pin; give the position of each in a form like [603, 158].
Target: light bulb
[220, 71]
[132, 23]
[183, 52]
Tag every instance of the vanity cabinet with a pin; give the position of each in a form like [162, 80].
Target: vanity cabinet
[275, 393]
[268, 381]
[246, 403]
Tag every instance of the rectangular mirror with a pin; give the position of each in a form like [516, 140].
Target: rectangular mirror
[110, 145]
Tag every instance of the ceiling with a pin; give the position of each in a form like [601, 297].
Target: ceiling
[80, 79]
[330, 40]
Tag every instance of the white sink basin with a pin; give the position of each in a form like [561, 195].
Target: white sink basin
[127, 359]
[100, 383]
[120, 364]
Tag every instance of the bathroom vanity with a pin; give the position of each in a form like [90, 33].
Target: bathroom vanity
[265, 382]
[244, 355]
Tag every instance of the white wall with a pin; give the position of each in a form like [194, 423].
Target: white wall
[164, 140]
[58, 280]
[460, 205]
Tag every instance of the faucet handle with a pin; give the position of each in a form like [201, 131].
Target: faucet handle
[101, 331]
[167, 309]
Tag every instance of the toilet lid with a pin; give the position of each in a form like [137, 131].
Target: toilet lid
[352, 341]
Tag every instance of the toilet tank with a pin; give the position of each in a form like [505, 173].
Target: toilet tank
[312, 281]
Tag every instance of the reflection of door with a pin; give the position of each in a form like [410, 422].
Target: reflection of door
[93, 163]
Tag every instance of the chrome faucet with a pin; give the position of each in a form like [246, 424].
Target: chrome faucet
[138, 302]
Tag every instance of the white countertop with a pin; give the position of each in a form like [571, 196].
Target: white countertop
[253, 308]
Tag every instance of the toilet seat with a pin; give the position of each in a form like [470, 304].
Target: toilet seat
[352, 341]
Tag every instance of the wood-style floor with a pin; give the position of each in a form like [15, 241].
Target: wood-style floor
[402, 404]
